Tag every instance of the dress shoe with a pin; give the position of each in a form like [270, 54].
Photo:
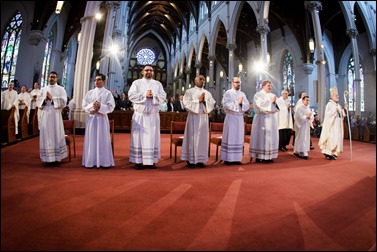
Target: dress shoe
[152, 166]
[201, 165]
[189, 165]
[312, 148]
[285, 148]
[328, 157]
[268, 161]
[227, 163]
[333, 157]
[305, 157]
[236, 163]
[138, 166]
[259, 160]
[297, 155]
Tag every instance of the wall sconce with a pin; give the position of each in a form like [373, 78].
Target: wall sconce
[311, 45]
[59, 7]
[240, 67]
[268, 58]
[207, 79]
[97, 65]
[221, 74]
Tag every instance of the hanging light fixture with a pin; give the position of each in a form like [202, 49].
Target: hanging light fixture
[311, 45]
[59, 7]
[98, 65]
[240, 67]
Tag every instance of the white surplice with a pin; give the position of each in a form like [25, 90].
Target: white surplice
[9, 99]
[195, 141]
[285, 119]
[25, 97]
[302, 130]
[264, 133]
[332, 134]
[233, 137]
[97, 140]
[145, 132]
[33, 94]
[51, 128]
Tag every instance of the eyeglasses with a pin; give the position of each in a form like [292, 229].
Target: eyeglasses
[97, 79]
[52, 77]
[148, 70]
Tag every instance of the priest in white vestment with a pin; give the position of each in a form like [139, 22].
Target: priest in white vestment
[285, 120]
[199, 103]
[303, 118]
[98, 102]
[264, 142]
[9, 99]
[33, 95]
[24, 101]
[50, 101]
[146, 94]
[332, 134]
[235, 104]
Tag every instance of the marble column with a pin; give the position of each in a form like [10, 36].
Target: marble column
[353, 33]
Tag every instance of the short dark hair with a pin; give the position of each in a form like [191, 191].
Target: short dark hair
[305, 97]
[103, 77]
[53, 72]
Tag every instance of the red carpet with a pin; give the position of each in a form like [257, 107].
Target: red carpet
[291, 204]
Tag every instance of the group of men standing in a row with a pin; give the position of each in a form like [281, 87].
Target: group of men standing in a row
[146, 95]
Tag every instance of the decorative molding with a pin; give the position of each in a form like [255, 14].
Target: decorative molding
[308, 68]
[352, 33]
[35, 36]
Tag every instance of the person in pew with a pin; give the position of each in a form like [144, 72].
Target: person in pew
[98, 102]
[235, 104]
[9, 99]
[33, 95]
[332, 134]
[264, 133]
[170, 104]
[179, 106]
[24, 101]
[199, 103]
[51, 100]
[146, 94]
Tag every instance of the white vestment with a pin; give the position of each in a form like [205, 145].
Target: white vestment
[332, 134]
[264, 133]
[145, 132]
[97, 140]
[302, 129]
[34, 93]
[9, 99]
[25, 97]
[285, 120]
[195, 141]
[233, 137]
[51, 128]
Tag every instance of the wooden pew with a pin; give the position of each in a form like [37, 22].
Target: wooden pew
[346, 132]
[33, 122]
[23, 128]
[355, 133]
[8, 126]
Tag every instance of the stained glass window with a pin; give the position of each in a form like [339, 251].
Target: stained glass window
[46, 60]
[145, 57]
[352, 86]
[9, 50]
[289, 76]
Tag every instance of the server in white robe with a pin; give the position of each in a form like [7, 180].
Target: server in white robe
[198, 103]
[235, 104]
[285, 120]
[264, 133]
[146, 94]
[98, 102]
[9, 99]
[50, 102]
[332, 134]
[33, 95]
[24, 101]
[303, 119]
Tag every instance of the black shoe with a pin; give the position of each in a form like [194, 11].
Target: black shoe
[52, 164]
[236, 163]
[189, 165]
[305, 157]
[268, 161]
[328, 157]
[297, 155]
[201, 165]
[152, 166]
[333, 157]
[87, 167]
[285, 148]
[227, 163]
[259, 160]
[138, 166]
[312, 148]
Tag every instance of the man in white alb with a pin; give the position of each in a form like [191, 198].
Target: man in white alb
[285, 120]
[303, 119]
[24, 101]
[199, 103]
[9, 99]
[33, 95]
[264, 133]
[146, 94]
[98, 102]
[235, 104]
[51, 100]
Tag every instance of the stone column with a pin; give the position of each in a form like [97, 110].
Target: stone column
[84, 60]
[210, 87]
[314, 7]
[231, 47]
[188, 72]
[263, 29]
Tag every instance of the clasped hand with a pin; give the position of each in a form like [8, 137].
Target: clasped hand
[96, 105]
